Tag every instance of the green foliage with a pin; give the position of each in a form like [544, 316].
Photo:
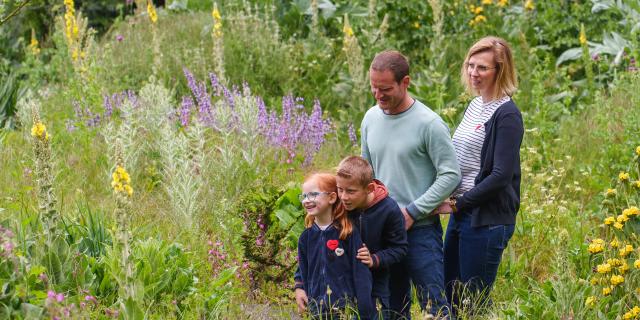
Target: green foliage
[290, 214]
[10, 90]
[267, 247]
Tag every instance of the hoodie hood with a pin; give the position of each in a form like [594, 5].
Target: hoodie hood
[379, 193]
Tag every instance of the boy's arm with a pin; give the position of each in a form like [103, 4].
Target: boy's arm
[395, 238]
[300, 292]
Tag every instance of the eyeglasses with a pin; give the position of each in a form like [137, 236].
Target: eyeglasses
[311, 195]
[479, 68]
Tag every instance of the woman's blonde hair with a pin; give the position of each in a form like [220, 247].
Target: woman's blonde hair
[506, 81]
[327, 183]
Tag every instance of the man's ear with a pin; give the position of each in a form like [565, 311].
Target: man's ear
[405, 81]
[370, 187]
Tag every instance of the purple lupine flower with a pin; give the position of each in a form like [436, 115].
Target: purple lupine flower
[203, 100]
[352, 135]
[108, 106]
[215, 84]
[185, 110]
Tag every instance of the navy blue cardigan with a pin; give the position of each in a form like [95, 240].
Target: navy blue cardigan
[322, 268]
[495, 198]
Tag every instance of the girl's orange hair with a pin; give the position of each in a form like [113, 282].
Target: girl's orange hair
[327, 183]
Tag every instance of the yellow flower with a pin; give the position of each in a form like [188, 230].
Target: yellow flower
[487, 1]
[636, 264]
[623, 268]
[593, 281]
[616, 280]
[609, 220]
[529, 5]
[626, 250]
[611, 192]
[595, 248]
[129, 191]
[590, 301]
[216, 13]
[151, 10]
[636, 310]
[613, 243]
[33, 46]
[638, 150]
[603, 268]
[606, 291]
[39, 131]
[583, 36]
[478, 10]
[622, 218]
[348, 31]
[618, 225]
[628, 316]
[631, 211]
[623, 176]
[636, 184]
[480, 18]
[614, 262]
[416, 25]
[502, 3]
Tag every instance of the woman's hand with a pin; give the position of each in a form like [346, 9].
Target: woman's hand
[444, 208]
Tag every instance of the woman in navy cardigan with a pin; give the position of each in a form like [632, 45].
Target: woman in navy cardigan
[484, 206]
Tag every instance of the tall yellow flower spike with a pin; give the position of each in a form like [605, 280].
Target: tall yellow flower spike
[151, 10]
[583, 35]
[33, 46]
[217, 21]
[39, 131]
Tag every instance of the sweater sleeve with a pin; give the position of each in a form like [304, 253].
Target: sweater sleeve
[363, 281]
[510, 131]
[363, 142]
[443, 156]
[395, 238]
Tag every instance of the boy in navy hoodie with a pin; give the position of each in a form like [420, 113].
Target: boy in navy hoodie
[378, 219]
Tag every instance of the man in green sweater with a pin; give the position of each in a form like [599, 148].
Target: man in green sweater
[410, 150]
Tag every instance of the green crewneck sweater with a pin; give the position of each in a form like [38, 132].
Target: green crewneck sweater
[412, 154]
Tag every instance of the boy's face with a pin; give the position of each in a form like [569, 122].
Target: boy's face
[352, 194]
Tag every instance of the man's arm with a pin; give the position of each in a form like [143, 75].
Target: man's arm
[443, 156]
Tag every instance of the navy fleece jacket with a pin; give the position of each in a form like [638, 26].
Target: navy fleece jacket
[381, 227]
[325, 262]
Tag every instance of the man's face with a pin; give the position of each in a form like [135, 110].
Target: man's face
[352, 194]
[388, 93]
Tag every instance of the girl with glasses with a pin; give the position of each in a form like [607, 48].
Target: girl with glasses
[333, 279]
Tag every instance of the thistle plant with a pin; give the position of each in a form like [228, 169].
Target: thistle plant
[44, 175]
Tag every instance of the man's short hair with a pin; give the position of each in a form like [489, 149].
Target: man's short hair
[357, 168]
[391, 60]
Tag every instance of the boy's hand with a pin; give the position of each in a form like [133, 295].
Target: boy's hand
[301, 300]
[365, 256]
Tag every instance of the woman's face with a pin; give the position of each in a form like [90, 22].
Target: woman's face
[481, 68]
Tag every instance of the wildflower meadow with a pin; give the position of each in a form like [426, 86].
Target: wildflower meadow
[152, 151]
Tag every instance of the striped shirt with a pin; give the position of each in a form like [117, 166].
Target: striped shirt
[469, 137]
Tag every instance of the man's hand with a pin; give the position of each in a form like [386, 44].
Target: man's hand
[408, 220]
[365, 256]
[301, 300]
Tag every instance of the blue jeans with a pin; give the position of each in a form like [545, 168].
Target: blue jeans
[471, 259]
[423, 265]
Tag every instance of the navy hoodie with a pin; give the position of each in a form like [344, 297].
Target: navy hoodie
[381, 226]
[325, 262]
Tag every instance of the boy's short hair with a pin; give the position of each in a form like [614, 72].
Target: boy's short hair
[357, 168]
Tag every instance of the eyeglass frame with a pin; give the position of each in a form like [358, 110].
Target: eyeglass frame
[480, 68]
[311, 195]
